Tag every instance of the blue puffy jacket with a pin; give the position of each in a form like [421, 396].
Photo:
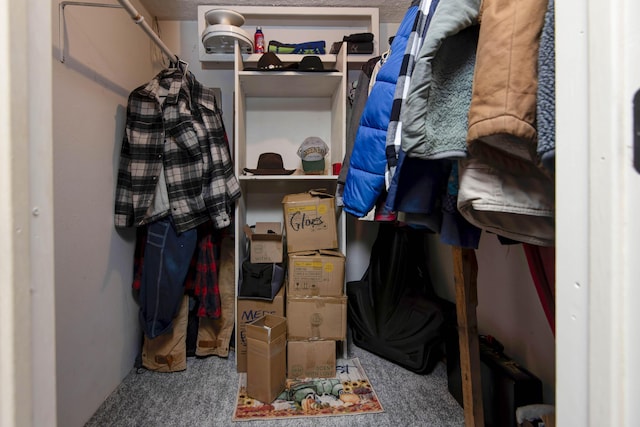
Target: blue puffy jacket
[365, 180]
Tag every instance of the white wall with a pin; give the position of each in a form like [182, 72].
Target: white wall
[510, 310]
[107, 56]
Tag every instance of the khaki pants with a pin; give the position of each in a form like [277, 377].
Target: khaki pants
[168, 352]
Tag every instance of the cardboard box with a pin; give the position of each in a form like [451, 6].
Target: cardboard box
[266, 242]
[310, 221]
[316, 273]
[266, 357]
[317, 318]
[248, 311]
[311, 359]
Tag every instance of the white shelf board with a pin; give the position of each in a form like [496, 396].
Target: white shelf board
[287, 58]
[293, 84]
[288, 177]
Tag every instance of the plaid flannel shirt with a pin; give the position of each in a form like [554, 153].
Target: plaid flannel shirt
[183, 138]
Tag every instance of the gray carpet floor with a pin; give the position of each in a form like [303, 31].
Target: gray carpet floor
[205, 394]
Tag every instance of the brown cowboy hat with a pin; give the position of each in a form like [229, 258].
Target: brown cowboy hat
[270, 164]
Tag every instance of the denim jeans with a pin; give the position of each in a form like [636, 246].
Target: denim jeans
[167, 256]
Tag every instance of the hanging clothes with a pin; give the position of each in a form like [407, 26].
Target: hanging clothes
[354, 112]
[542, 266]
[546, 96]
[433, 122]
[200, 277]
[164, 269]
[503, 106]
[365, 181]
[502, 187]
[434, 114]
[175, 184]
[203, 272]
[175, 140]
[426, 8]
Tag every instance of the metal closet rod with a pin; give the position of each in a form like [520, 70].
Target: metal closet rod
[137, 18]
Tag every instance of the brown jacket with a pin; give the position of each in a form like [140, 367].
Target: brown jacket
[503, 104]
[502, 189]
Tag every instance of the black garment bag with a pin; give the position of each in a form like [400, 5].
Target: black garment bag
[393, 311]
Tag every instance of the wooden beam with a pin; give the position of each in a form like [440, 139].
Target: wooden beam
[465, 269]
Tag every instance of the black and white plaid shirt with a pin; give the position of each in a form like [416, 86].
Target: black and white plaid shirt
[184, 138]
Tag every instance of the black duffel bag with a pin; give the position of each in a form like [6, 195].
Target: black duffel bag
[393, 311]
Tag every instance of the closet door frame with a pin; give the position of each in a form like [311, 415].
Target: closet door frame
[597, 379]
[27, 298]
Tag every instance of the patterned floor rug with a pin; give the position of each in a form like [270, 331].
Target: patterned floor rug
[349, 393]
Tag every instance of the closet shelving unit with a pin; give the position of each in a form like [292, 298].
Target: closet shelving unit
[274, 111]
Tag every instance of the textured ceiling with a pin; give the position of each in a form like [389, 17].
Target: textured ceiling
[186, 10]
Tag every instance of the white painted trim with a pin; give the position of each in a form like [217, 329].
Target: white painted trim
[42, 278]
[15, 350]
[592, 230]
[27, 327]
[606, 238]
[8, 395]
[631, 326]
[572, 214]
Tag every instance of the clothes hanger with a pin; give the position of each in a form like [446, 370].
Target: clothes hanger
[178, 64]
[183, 65]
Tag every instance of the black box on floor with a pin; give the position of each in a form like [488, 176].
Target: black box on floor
[505, 384]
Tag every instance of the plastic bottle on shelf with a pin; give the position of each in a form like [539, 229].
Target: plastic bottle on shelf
[258, 41]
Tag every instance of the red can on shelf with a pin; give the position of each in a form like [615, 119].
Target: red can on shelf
[258, 41]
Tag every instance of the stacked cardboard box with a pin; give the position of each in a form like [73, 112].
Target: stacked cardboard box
[310, 221]
[266, 357]
[250, 310]
[265, 242]
[265, 247]
[316, 305]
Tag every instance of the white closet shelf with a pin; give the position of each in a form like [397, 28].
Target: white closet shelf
[289, 57]
[293, 84]
[304, 178]
[297, 25]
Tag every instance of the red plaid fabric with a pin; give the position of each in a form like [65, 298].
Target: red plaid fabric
[138, 256]
[203, 274]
